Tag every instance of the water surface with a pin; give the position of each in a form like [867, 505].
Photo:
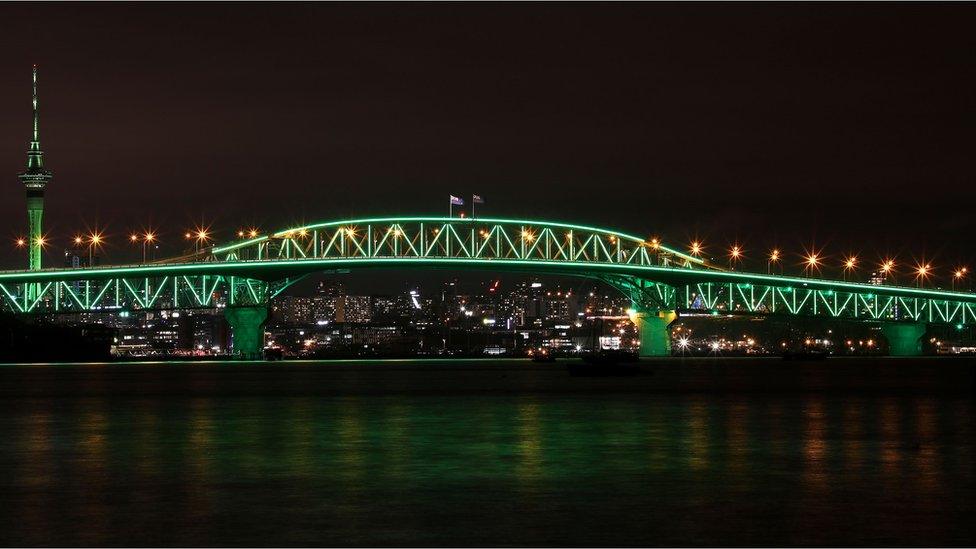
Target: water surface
[696, 452]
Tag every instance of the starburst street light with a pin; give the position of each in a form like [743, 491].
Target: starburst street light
[696, 248]
[811, 263]
[20, 242]
[735, 254]
[95, 240]
[922, 272]
[850, 264]
[958, 275]
[773, 258]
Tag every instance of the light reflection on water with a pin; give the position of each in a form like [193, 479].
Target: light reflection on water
[560, 468]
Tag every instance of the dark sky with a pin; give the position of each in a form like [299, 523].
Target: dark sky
[848, 126]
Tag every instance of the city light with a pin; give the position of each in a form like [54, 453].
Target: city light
[78, 239]
[253, 233]
[21, 242]
[150, 236]
[134, 238]
[655, 243]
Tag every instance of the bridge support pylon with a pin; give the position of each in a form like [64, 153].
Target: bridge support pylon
[904, 339]
[655, 338]
[247, 325]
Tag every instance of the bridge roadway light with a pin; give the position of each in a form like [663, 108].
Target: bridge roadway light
[735, 253]
[958, 275]
[253, 233]
[20, 242]
[696, 248]
[95, 240]
[773, 258]
[849, 265]
[922, 271]
[812, 262]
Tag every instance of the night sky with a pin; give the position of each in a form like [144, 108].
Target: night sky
[848, 127]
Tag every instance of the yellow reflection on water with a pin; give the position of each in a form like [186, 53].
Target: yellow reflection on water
[92, 466]
[698, 433]
[815, 473]
[529, 446]
[890, 436]
[927, 459]
[738, 435]
[350, 442]
[853, 426]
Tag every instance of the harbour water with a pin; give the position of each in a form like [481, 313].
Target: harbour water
[495, 452]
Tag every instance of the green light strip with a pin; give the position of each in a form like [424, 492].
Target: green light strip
[684, 275]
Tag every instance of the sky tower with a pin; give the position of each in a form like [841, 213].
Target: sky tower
[35, 178]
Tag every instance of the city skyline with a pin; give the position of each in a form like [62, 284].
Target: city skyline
[96, 114]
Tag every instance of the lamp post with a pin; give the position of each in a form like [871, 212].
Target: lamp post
[94, 240]
[773, 258]
[958, 275]
[922, 272]
[888, 268]
[735, 253]
[147, 239]
[849, 265]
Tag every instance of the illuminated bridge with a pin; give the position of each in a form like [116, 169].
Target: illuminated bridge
[661, 282]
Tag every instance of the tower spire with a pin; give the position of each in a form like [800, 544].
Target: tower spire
[35, 158]
[37, 133]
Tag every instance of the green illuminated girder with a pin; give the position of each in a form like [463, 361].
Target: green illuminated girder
[439, 238]
[138, 293]
[731, 298]
[645, 296]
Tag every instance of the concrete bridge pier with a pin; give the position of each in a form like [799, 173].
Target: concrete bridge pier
[247, 325]
[655, 338]
[904, 339]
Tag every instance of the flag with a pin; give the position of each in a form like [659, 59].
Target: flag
[455, 201]
[477, 199]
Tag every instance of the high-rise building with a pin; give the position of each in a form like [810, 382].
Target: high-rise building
[35, 179]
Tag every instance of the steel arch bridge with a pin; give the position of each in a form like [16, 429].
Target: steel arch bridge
[661, 282]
